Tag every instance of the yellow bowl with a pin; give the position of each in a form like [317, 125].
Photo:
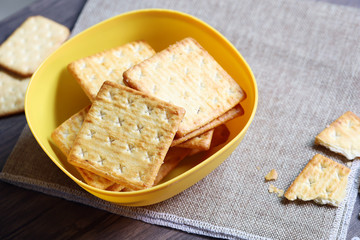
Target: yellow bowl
[53, 94]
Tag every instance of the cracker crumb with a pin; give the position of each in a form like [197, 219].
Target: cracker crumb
[272, 175]
[273, 189]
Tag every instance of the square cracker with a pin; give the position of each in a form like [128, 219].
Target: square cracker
[12, 93]
[64, 137]
[322, 180]
[186, 75]
[342, 136]
[31, 43]
[92, 71]
[125, 136]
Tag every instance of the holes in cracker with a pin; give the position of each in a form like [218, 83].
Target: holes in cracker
[139, 128]
[119, 122]
[217, 76]
[91, 133]
[215, 100]
[335, 135]
[101, 160]
[170, 79]
[137, 48]
[166, 117]
[100, 60]
[148, 110]
[109, 96]
[110, 140]
[140, 74]
[149, 157]
[82, 153]
[118, 54]
[322, 167]
[230, 91]
[158, 136]
[101, 115]
[138, 177]
[130, 148]
[120, 169]
[328, 191]
[129, 102]
[199, 110]
[350, 124]
[339, 176]
[311, 181]
[173, 58]
[66, 133]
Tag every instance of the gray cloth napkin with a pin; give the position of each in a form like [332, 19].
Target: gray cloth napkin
[306, 60]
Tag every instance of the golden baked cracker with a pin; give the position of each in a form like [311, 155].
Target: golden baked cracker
[31, 43]
[64, 137]
[322, 180]
[125, 136]
[109, 65]
[342, 136]
[201, 142]
[186, 75]
[12, 93]
[231, 114]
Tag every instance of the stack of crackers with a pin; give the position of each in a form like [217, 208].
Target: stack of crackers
[20, 56]
[148, 112]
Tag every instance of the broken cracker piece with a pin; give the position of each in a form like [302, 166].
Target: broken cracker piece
[322, 180]
[342, 136]
[272, 175]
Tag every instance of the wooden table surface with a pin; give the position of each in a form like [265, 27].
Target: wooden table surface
[26, 214]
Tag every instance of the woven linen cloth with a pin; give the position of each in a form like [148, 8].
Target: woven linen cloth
[306, 59]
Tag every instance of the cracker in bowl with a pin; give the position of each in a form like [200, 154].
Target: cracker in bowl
[186, 75]
[125, 136]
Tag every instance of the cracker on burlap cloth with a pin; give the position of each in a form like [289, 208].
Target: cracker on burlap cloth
[305, 56]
